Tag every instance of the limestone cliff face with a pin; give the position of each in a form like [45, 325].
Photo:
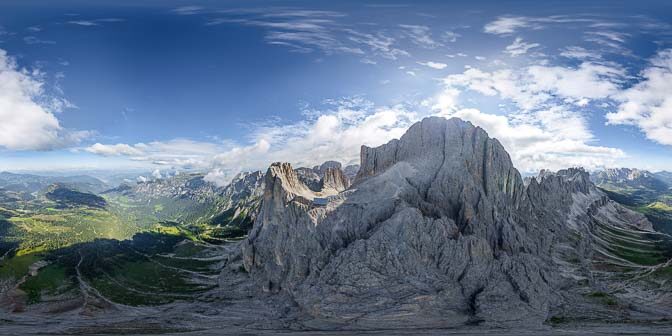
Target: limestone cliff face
[437, 229]
[334, 179]
[328, 176]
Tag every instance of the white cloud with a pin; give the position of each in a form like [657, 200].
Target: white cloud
[187, 10]
[547, 131]
[507, 25]
[27, 120]
[420, 35]
[379, 44]
[518, 47]
[96, 22]
[85, 23]
[451, 36]
[540, 85]
[336, 133]
[589, 80]
[560, 139]
[35, 40]
[434, 65]
[580, 53]
[182, 153]
[113, 150]
[610, 39]
[648, 104]
[306, 31]
[505, 83]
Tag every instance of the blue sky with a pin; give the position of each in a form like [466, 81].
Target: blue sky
[225, 86]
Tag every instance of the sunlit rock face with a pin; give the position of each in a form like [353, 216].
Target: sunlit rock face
[437, 229]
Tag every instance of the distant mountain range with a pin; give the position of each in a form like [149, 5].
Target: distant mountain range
[28, 183]
[644, 191]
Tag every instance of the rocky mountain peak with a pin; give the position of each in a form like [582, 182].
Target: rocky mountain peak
[573, 179]
[622, 174]
[322, 169]
[630, 178]
[335, 179]
[327, 176]
[437, 144]
[438, 228]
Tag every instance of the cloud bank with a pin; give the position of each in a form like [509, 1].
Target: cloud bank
[27, 119]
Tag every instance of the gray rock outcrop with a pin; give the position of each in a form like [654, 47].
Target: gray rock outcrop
[437, 230]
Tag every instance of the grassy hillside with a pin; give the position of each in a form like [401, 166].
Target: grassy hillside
[64, 244]
[655, 203]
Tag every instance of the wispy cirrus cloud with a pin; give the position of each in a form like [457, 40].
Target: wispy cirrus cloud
[611, 39]
[301, 30]
[94, 22]
[509, 24]
[307, 31]
[519, 47]
[36, 40]
[580, 53]
[420, 36]
[378, 43]
[187, 10]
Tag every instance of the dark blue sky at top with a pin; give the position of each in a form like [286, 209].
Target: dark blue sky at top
[154, 75]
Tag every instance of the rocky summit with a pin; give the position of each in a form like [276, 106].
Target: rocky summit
[438, 230]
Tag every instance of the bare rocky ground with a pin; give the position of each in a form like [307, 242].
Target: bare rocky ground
[232, 310]
[237, 308]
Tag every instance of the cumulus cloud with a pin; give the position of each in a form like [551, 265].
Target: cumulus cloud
[27, 120]
[519, 47]
[334, 133]
[183, 153]
[648, 104]
[548, 129]
[559, 139]
[541, 85]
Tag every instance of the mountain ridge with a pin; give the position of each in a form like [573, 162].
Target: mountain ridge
[443, 194]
